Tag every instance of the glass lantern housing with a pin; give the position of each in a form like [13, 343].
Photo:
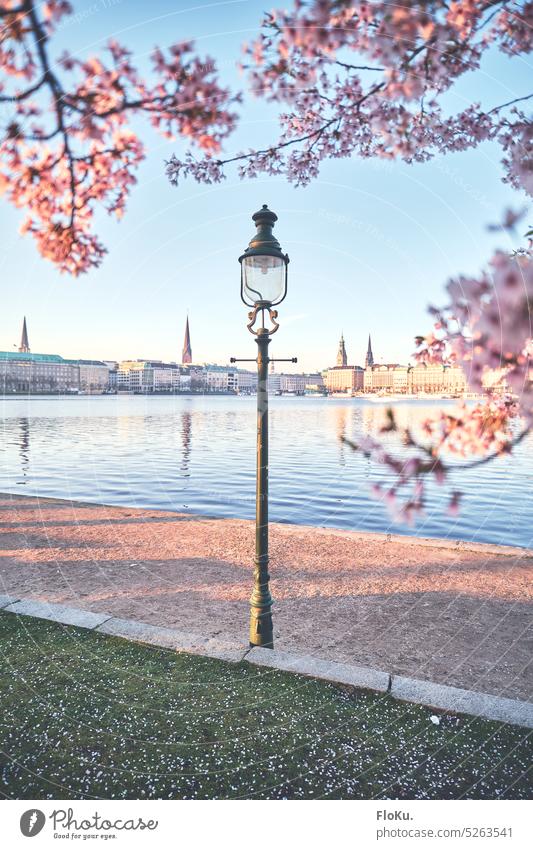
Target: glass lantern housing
[263, 264]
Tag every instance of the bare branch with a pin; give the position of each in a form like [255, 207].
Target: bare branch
[17, 98]
[510, 103]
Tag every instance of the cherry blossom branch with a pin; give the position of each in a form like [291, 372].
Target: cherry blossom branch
[431, 451]
[211, 168]
[93, 152]
[14, 98]
[420, 49]
[510, 103]
[50, 78]
[356, 67]
[487, 330]
[413, 469]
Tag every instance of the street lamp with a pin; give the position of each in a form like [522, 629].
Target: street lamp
[263, 286]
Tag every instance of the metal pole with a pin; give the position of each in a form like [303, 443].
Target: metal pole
[261, 600]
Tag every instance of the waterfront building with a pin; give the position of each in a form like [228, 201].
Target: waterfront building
[315, 385]
[134, 376]
[380, 377]
[147, 376]
[291, 384]
[112, 373]
[165, 378]
[455, 381]
[424, 378]
[22, 371]
[220, 378]
[315, 389]
[294, 384]
[247, 381]
[342, 377]
[274, 383]
[196, 377]
[112, 368]
[314, 378]
[93, 376]
[400, 380]
[185, 381]
[214, 378]
[186, 355]
[346, 380]
[431, 378]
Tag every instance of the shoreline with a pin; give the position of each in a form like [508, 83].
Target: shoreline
[339, 396]
[452, 543]
[422, 608]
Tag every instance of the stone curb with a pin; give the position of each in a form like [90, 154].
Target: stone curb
[326, 670]
[170, 638]
[58, 613]
[5, 600]
[483, 705]
[427, 693]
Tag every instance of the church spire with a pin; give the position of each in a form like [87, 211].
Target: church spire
[369, 359]
[24, 347]
[186, 355]
[342, 358]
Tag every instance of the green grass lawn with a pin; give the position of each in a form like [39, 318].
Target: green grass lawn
[84, 715]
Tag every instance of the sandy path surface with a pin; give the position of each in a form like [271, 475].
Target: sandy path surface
[455, 615]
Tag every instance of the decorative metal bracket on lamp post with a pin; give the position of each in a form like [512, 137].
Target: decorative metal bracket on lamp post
[263, 286]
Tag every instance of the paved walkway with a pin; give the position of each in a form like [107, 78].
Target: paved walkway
[460, 615]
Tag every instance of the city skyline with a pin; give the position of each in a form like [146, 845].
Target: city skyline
[186, 352]
[30, 372]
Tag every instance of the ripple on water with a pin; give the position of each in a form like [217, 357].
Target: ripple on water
[198, 454]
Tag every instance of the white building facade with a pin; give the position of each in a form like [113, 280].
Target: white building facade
[152, 376]
[94, 376]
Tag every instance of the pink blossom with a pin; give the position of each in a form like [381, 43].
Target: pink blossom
[68, 147]
[369, 79]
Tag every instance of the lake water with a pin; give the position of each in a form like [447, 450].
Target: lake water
[197, 454]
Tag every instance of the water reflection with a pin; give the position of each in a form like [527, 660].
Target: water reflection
[24, 449]
[341, 418]
[186, 439]
[373, 417]
[139, 451]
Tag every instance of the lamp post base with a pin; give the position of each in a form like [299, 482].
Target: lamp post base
[261, 633]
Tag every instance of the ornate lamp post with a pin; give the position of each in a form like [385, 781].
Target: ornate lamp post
[263, 286]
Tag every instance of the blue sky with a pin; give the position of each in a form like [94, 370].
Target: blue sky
[371, 243]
